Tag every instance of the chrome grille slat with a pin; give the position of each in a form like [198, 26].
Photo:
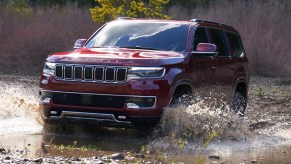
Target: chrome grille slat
[68, 72]
[110, 74]
[59, 72]
[78, 72]
[91, 73]
[88, 73]
[121, 74]
[99, 73]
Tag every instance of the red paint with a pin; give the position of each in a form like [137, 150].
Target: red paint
[181, 68]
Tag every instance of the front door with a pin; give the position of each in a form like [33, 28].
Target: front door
[204, 67]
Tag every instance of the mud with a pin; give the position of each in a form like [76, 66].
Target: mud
[262, 136]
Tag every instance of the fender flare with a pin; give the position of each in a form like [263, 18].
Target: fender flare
[181, 82]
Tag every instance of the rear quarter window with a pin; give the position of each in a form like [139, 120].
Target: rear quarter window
[236, 46]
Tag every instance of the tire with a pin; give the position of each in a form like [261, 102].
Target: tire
[239, 104]
[181, 99]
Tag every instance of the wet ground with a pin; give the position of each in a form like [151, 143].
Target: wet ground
[263, 136]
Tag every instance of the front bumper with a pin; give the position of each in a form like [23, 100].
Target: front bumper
[57, 105]
[134, 101]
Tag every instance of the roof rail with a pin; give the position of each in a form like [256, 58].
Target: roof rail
[125, 18]
[207, 21]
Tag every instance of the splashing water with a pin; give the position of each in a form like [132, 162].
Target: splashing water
[204, 120]
[207, 124]
[19, 106]
[196, 121]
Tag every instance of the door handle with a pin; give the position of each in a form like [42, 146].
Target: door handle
[213, 68]
[232, 67]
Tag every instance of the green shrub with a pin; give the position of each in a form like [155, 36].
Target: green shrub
[19, 6]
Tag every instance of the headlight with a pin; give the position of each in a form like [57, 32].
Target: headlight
[146, 72]
[49, 68]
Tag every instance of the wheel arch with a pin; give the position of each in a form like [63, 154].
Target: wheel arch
[182, 86]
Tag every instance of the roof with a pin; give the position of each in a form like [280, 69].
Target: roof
[188, 22]
[210, 22]
[155, 20]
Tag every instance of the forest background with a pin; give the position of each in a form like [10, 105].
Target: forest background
[32, 29]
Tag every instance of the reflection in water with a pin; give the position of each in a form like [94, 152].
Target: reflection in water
[50, 145]
[105, 140]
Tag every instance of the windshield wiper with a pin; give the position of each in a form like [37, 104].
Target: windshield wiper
[139, 47]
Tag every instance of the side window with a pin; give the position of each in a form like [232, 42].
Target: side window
[200, 36]
[217, 39]
[235, 44]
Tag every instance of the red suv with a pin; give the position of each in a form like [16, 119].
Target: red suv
[130, 69]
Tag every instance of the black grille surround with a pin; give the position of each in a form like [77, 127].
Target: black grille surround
[98, 100]
[91, 73]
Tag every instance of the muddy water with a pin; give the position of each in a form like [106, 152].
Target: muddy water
[263, 136]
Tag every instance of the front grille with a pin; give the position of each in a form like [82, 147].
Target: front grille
[91, 73]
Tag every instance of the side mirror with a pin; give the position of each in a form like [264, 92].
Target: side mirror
[79, 43]
[206, 47]
[205, 50]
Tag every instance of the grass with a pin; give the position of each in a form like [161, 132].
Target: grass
[83, 148]
[28, 38]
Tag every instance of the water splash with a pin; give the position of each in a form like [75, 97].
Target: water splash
[203, 117]
[195, 125]
[266, 123]
[19, 106]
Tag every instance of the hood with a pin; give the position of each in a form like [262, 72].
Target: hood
[117, 57]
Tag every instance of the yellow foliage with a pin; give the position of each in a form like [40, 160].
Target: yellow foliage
[112, 9]
[19, 6]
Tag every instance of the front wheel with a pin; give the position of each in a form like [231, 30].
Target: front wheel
[184, 99]
[239, 104]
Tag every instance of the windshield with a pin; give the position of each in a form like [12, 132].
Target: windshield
[142, 35]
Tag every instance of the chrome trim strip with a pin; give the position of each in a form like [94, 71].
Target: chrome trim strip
[47, 100]
[99, 94]
[94, 67]
[89, 116]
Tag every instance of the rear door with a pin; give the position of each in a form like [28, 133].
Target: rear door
[238, 54]
[225, 68]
